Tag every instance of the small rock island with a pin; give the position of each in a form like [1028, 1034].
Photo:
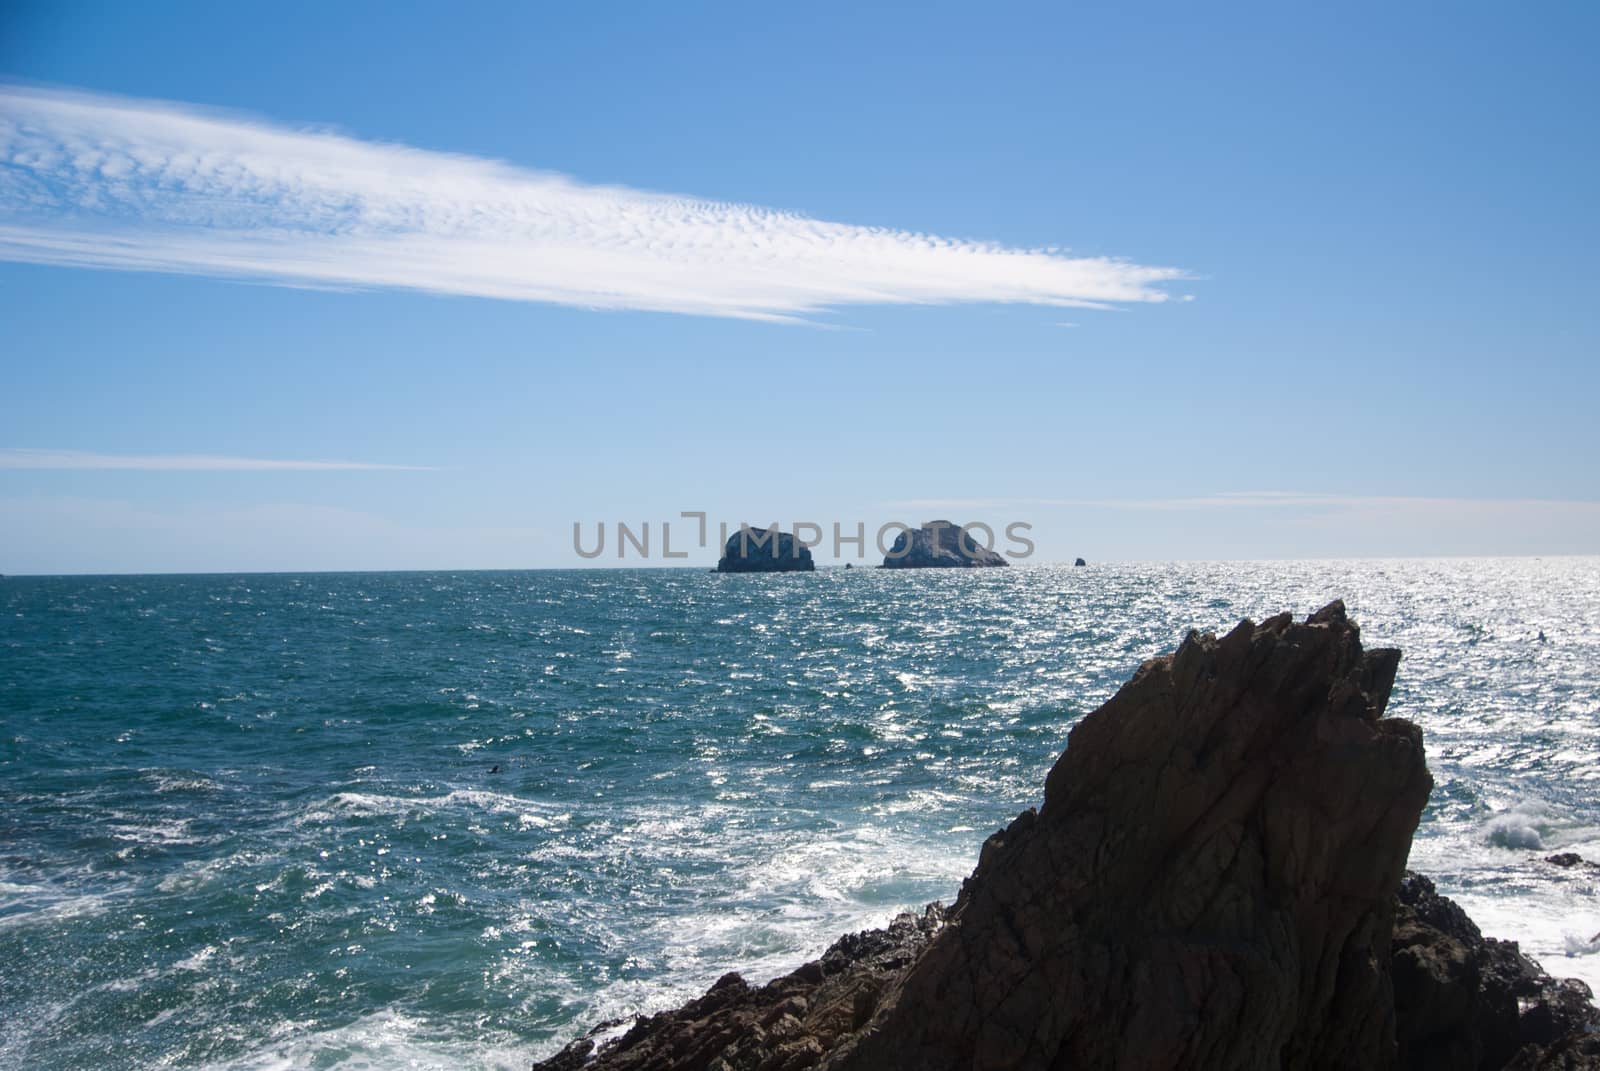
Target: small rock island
[939, 545]
[765, 550]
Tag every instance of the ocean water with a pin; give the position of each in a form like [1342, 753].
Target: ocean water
[255, 821]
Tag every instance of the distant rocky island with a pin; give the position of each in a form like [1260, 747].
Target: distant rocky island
[939, 545]
[764, 550]
[1215, 880]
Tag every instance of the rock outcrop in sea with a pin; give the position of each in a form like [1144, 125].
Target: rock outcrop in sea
[940, 545]
[764, 550]
[1215, 879]
[1465, 1001]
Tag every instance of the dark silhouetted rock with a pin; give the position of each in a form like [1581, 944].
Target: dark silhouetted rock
[1079, 563]
[941, 545]
[764, 550]
[1209, 884]
[1212, 881]
[1464, 1001]
[1571, 860]
[789, 1023]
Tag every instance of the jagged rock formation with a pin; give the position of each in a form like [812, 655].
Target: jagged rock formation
[1213, 881]
[940, 545]
[1209, 883]
[764, 550]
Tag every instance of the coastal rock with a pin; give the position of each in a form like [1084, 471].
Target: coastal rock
[1212, 881]
[940, 545]
[1209, 883]
[1464, 1001]
[1079, 563]
[786, 1025]
[1571, 860]
[764, 550]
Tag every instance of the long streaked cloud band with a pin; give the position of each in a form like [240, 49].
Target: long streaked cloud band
[107, 182]
[20, 458]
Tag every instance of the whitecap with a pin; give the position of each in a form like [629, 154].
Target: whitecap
[379, 1042]
[1533, 825]
[1578, 945]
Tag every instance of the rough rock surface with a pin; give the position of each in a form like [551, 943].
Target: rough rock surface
[940, 545]
[1209, 884]
[1213, 881]
[764, 550]
[789, 1023]
[1464, 1001]
[1569, 860]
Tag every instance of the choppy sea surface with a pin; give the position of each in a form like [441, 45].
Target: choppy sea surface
[256, 821]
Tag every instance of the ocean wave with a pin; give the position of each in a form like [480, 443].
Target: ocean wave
[1578, 945]
[352, 803]
[382, 1041]
[736, 801]
[39, 905]
[1534, 825]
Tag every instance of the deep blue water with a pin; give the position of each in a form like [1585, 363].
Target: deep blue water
[253, 821]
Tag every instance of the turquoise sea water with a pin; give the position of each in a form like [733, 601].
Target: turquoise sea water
[254, 821]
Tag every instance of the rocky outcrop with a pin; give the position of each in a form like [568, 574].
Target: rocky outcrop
[940, 545]
[1079, 563]
[1571, 860]
[1208, 884]
[789, 1023]
[764, 550]
[1464, 1001]
[1213, 881]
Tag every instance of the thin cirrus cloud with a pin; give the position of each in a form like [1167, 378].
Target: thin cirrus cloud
[108, 182]
[17, 458]
[1266, 500]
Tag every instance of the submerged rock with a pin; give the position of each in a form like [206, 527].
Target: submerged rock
[1212, 881]
[940, 545]
[1570, 860]
[764, 550]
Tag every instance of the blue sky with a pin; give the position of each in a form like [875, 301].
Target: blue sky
[1340, 262]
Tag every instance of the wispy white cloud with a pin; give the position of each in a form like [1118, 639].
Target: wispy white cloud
[107, 182]
[1260, 500]
[17, 458]
[56, 534]
[1282, 524]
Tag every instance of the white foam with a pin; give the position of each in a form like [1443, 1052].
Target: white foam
[1515, 831]
[375, 804]
[42, 905]
[1552, 923]
[1578, 945]
[197, 961]
[385, 1041]
[1534, 825]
